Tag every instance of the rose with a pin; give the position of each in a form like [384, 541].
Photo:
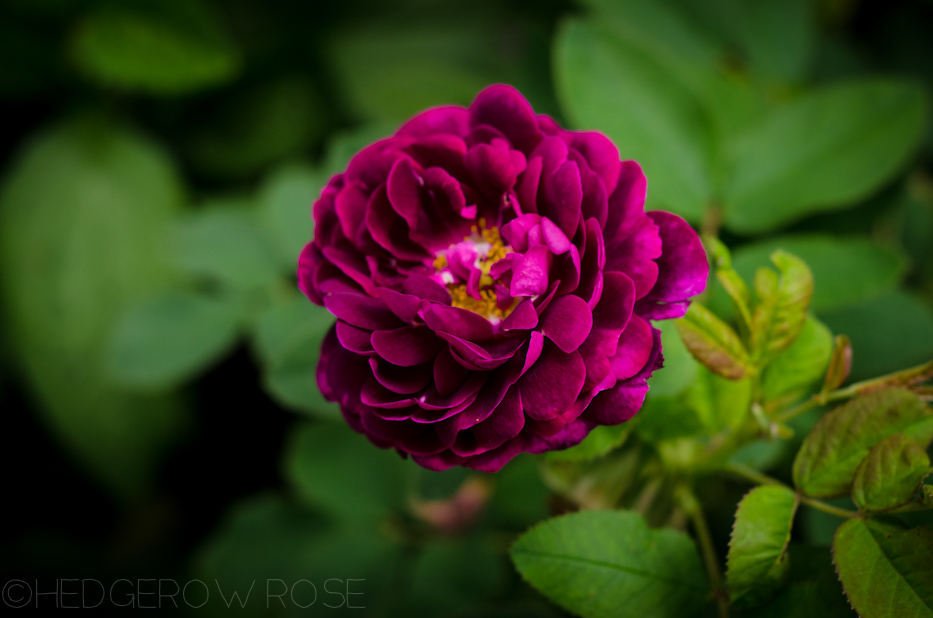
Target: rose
[493, 277]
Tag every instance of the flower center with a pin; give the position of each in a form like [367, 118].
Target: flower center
[464, 267]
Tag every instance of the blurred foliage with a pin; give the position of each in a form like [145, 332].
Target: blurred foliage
[159, 160]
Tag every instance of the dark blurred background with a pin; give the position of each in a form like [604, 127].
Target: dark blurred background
[206, 117]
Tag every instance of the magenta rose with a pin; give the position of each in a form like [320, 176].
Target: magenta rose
[493, 278]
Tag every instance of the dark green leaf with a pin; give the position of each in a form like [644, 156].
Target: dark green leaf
[609, 563]
[270, 545]
[757, 561]
[519, 497]
[285, 201]
[264, 125]
[454, 576]
[781, 311]
[890, 474]
[886, 571]
[80, 220]
[846, 271]
[713, 343]
[288, 340]
[831, 453]
[777, 36]
[823, 152]
[224, 241]
[344, 474]
[152, 53]
[167, 340]
[663, 126]
[801, 364]
[887, 333]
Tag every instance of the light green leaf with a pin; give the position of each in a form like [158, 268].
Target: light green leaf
[160, 54]
[846, 271]
[801, 364]
[662, 126]
[344, 474]
[890, 474]
[272, 121]
[831, 453]
[609, 563]
[680, 369]
[223, 241]
[823, 152]
[886, 571]
[888, 333]
[163, 342]
[668, 418]
[782, 306]
[719, 402]
[288, 341]
[81, 217]
[601, 440]
[285, 201]
[713, 343]
[757, 561]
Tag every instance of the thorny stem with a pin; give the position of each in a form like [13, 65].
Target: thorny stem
[691, 506]
[750, 474]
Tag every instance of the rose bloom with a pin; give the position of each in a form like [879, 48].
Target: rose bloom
[493, 278]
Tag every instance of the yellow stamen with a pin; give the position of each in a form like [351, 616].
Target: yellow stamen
[485, 305]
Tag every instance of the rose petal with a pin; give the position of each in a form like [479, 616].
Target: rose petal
[563, 195]
[449, 375]
[553, 383]
[522, 317]
[362, 311]
[617, 301]
[530, 273]
[503, 107]
[447, 119]
[567, 322]
[458, 322]
[401, 380]
[407, 346]
[356, 340]
[635, 345]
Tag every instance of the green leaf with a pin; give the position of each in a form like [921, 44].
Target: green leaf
[82, 213]
[890, 474]
[813, 590]
[757, 563]
[782, 306]
[344, 474]
[261, 126]
[163, 342]
[223, 241]
[269, 544]
[887, 333]
[846, 271]
[831, 453]
[668, 418]
[840, 364]
[160, 54]
[777, 36]
[601, 440]
[391, 74]
[886, 571]
[663, 126]
[823, 152]
[455, 576]
[680, 369]
[519, 498]
[609, 563]
[801, 364]
[713, 343]
[288, 341]
[285, 200]
[718, 402]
